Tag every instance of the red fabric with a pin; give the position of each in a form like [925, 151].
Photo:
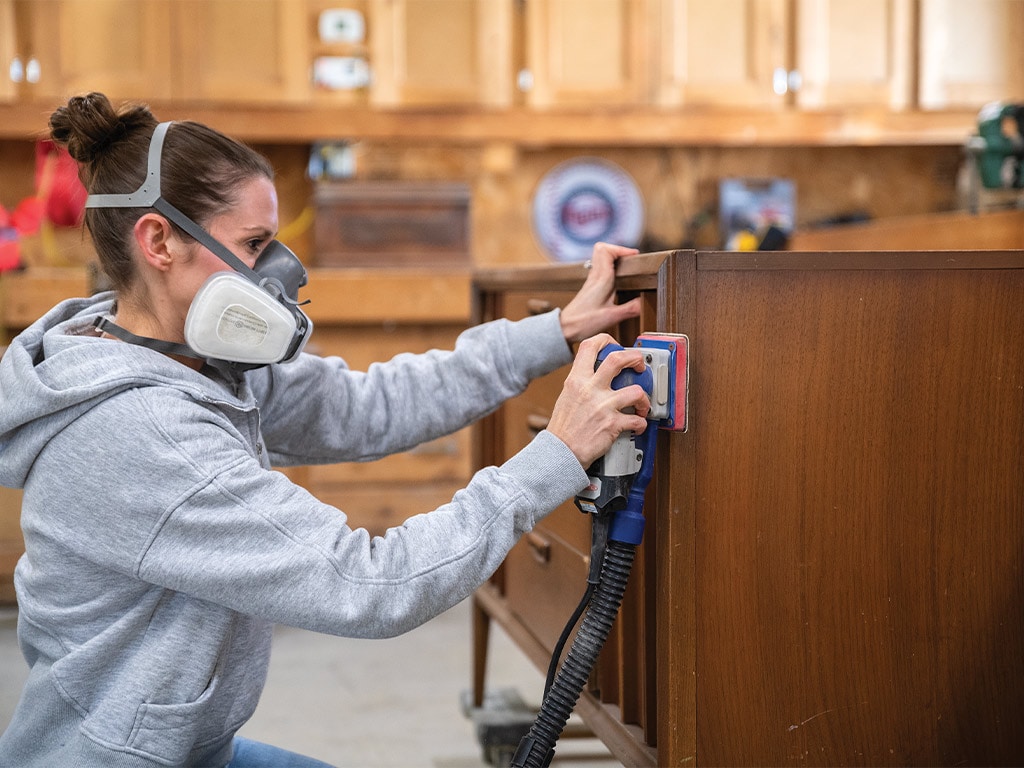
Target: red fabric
[28, 216]
[10, 254]
[65, 202]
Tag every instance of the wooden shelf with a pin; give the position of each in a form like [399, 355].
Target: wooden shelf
[432, 297]
[612, 127]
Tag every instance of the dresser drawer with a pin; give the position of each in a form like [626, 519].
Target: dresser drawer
[545, 579]
[571, 526]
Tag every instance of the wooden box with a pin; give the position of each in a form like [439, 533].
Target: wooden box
[391, 224]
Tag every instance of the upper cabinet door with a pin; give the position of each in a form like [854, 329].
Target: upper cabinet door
[441, 52]
[586, 53]
[853, 53]
[10, 57]
[119, 47]
[729, 53]
[243, 51]
[971, 52]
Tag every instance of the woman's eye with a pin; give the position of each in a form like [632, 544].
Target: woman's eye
[254, 246]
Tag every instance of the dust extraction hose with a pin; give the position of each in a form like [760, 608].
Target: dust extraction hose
[538, 746]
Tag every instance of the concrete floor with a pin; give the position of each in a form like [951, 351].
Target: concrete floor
[368, 703]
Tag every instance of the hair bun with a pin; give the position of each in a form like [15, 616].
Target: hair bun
[89, 125]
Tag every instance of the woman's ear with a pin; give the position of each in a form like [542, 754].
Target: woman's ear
[155, 238]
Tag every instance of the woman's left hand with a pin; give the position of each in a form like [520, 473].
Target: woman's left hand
[593, 309]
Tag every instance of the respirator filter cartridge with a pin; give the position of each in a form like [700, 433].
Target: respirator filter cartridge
[231, 318]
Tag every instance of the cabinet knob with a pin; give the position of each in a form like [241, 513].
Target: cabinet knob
[786, 80]
[33, 71]
[536, 422]
[780, 81]
[540, 547]
[524, 80]
[538, 306]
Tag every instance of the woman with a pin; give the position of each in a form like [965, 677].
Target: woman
[142, 425]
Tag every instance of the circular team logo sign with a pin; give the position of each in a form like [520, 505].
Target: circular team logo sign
[586, 201]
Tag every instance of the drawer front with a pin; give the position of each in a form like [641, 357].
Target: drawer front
[524, 416]
[519, 304]
[545, 579]
[570, 526]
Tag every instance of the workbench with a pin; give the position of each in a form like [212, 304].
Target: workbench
[833, 567]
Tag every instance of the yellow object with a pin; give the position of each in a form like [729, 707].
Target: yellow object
[298, 226]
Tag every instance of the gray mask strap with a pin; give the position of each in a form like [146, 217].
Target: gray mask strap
[148, 196]
[106, 325]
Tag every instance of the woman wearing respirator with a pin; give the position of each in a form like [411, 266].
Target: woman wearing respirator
[142, 426]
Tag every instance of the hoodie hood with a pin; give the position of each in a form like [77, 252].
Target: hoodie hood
[58, 368]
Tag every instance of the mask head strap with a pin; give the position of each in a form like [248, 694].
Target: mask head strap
[104, 324]
[148, 196]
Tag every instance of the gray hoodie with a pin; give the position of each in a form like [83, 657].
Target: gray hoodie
[161, 547]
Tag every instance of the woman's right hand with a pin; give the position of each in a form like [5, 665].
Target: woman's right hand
[588, 414]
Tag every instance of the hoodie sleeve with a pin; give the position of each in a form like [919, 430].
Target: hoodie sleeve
[318, 410]
[252, 541]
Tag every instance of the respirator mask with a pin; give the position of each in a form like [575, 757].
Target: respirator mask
[248, 318]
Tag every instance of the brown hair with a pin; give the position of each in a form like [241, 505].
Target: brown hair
[199, 170]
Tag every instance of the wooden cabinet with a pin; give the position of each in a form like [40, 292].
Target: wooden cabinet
[9, 58]
[251, 51]
[804, 54]
[970, 53]
[831, 568]
[647, 71]
[115, 46]
[780, 53]
[223, 51]
[723, 53]
[494, 53]
[445, 52]
[585, 53]
[853, 53]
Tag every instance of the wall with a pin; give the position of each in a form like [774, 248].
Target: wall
[678, 184]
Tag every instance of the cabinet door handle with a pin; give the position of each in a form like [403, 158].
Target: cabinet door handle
[537, 422]
[33, 71]
[540, 547]
[538, 306]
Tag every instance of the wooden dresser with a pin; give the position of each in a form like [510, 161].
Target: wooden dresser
[833, 567]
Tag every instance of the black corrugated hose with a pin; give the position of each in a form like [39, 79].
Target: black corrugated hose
[538, 746]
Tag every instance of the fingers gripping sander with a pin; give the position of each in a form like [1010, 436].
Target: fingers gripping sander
[619, 479]
[614, 500]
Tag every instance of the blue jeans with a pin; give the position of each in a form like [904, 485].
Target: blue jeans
[255, 754]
